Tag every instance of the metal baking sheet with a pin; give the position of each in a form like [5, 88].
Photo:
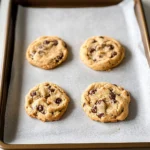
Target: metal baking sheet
[71, 25]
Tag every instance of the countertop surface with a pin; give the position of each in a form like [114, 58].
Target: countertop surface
[146, 4]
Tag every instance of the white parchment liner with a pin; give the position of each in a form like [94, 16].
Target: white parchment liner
[75, 25]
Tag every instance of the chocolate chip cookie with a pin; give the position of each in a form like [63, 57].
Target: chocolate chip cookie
[46, 102]
[101, 53]
[105, 102]
[47, 52]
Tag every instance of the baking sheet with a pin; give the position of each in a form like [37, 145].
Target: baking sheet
[75, 25]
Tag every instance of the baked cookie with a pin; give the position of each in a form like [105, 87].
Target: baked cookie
[46, 102]
[101, 53]
[106, 102]
[47, 52]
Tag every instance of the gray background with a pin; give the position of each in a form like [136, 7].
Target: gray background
[146, 4]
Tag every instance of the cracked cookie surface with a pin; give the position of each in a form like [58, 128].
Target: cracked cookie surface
[105, 102]
[47, 52]
[101, 53]
[46, 102]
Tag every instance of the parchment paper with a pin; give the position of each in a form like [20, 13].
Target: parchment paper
[75, 25]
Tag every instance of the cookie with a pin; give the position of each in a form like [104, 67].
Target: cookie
[47, 52]
[101, 53]
[105, 102]
[46, 102]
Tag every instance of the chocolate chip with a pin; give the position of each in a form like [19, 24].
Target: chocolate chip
[52, 90]
[100, 115]
[94, 60]
[49, 87]
[58, 100]
[91, 92]
[94, 41]
[89, 102]
[94, 109]
[33, 52]
[46, 42]
[55, 42]
[111, 47]
[122, 110]
[113, 54]
[91, 50]
[30, 101]
[114, 84]
[114, 101]
[110, 89]
[122, 88]
[57, 60]
[100, 56]
[40, 108]
[46, 84]
[128, 94]
[47, 96]
[33, 93]
[84, 104]
[101, 37]
[112, 95]
[35, 114]
[60, 56]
